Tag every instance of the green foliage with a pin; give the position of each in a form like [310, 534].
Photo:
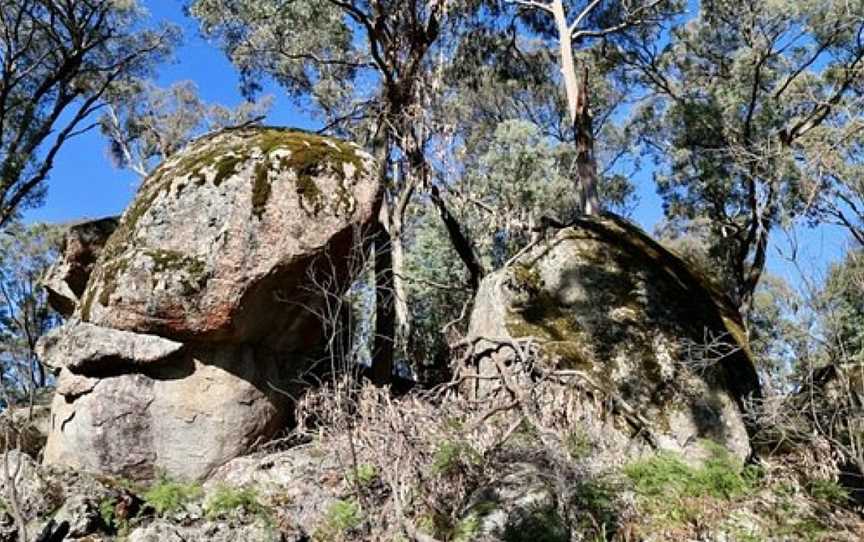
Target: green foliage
[58, 68]
[364, 475]
[828, 491]
[670, 489]
[340, 518]
[466, 529]
[26, 252]
[227, 501]
[167, 496]
[107, 509]
[843, 308]
[453, 456]
[578, 444]
[595, 501]
[666, 475]
[739, 141]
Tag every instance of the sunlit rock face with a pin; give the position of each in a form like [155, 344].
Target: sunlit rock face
[197, 309]
[646, 351]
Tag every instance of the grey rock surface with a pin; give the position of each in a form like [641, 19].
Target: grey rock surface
[84, 348]
[66, 280]
[196, 319]
[625, 319]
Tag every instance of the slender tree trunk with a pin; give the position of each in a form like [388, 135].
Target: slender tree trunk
[580, 115]
[400, 292]
[586, 164]
[385, 316]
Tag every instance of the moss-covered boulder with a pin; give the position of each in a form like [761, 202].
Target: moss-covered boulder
[219, 225]
[653, 356]
[199, 315]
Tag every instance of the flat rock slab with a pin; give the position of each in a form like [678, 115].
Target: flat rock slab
[85, 348]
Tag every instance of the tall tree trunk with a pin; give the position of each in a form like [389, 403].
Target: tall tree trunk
[586, 164]
[395, 225]
[385, 315]
[580, 115]
[392, 220]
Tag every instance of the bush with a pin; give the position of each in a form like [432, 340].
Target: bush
[226, 501]
[364, 475]
[341, 517]
[828, 491]
[106, 511]
[666, 475]
[451, 456]
[669, 488]
[167, 496]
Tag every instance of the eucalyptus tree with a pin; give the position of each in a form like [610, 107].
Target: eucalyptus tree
[26, 252]
[146, 124]
[744, 95]
[572, 26]
[58, 58]
[368, 67]
[843, 310]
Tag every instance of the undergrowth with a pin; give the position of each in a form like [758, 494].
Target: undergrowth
[167, 496]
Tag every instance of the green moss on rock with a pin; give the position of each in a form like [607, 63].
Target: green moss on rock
[260, 189]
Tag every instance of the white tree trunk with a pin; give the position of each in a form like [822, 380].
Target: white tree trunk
[580, 115]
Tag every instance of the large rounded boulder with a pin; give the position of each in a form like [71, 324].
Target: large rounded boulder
[657, 358]
[195, 321]
[218, 227]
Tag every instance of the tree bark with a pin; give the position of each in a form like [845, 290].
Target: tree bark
[578, 108]
[385, 316]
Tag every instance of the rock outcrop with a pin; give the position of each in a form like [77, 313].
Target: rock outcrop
[66, 280]
[626, 322]
[195, 319]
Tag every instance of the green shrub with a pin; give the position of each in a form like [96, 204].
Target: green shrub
[578, 444]
[827, 491]
[106, 511]
[451, 456]
[666, 475]
[341, 517]
[227, 500]
[364, 475]
[595, 500]
[167, 496]
[670, 489]
[466, 529]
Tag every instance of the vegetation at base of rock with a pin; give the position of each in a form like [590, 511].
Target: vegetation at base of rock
[340, 518]
[667, 486]
[228, 501]
[168, 496]
[108, 515]
[667, 475]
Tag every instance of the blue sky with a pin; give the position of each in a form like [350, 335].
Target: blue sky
[83, 182]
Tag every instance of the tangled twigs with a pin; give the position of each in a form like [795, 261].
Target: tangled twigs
[639, 423]
[523, 350]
